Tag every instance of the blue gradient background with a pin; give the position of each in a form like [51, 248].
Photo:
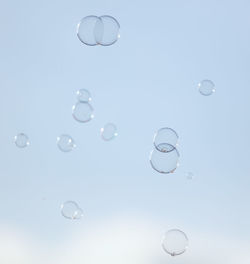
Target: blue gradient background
[147, 80]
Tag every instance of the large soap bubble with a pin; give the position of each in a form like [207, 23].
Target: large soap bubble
[165, 139]
[164, 162]
[86, 30]
[107, 30]
[175, 242]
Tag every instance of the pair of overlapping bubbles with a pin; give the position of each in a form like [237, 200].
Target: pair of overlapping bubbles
[83, 111]
[164, 158]
[94, 30]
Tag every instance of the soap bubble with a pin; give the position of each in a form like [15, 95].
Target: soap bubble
[109, 132]
[86, 30]
[206, 87]
[65, 143]
[189, 175]
[71, 210]
[22, 140]
[82, 112]
[164, 162]
[175, 242]
[107, 30]
[83, 96]
[165, 139]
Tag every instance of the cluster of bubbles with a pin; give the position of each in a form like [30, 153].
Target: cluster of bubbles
[71, 210]
[94, 30]
[82, 112]
[164, 158]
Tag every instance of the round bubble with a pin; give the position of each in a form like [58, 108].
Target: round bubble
[175, 242]
[65, 143]
[165, 139]
[70, 209]
[22, 140]
[83, 96]
[206, 87]
[82, 112]
[86, 30]
[164, 162]
[109, 132]
[107, 30]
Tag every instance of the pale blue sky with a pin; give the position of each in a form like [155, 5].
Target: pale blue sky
[147, 80]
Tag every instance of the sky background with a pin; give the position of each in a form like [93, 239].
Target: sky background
[145, 81]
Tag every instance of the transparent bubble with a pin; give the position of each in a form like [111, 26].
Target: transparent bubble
[65, 143]
[107, 30]
[71, 210]
[175, 242]
[83, 96]
[189, 175]
[109, 132]
[22, 140]
[164, 162]
[82, 112]
[206, 87]
[86, 30]
[165, 139]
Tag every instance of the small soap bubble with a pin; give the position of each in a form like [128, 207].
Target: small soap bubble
[189, 175]
[164, 162]
[206, 87]
[165, 139]
[65, 143]
[22, 140]
[109, 132]
[86, 30]
[107, 30]
[82, 112]
[175, 242]
[71, 210]
[83, 96]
